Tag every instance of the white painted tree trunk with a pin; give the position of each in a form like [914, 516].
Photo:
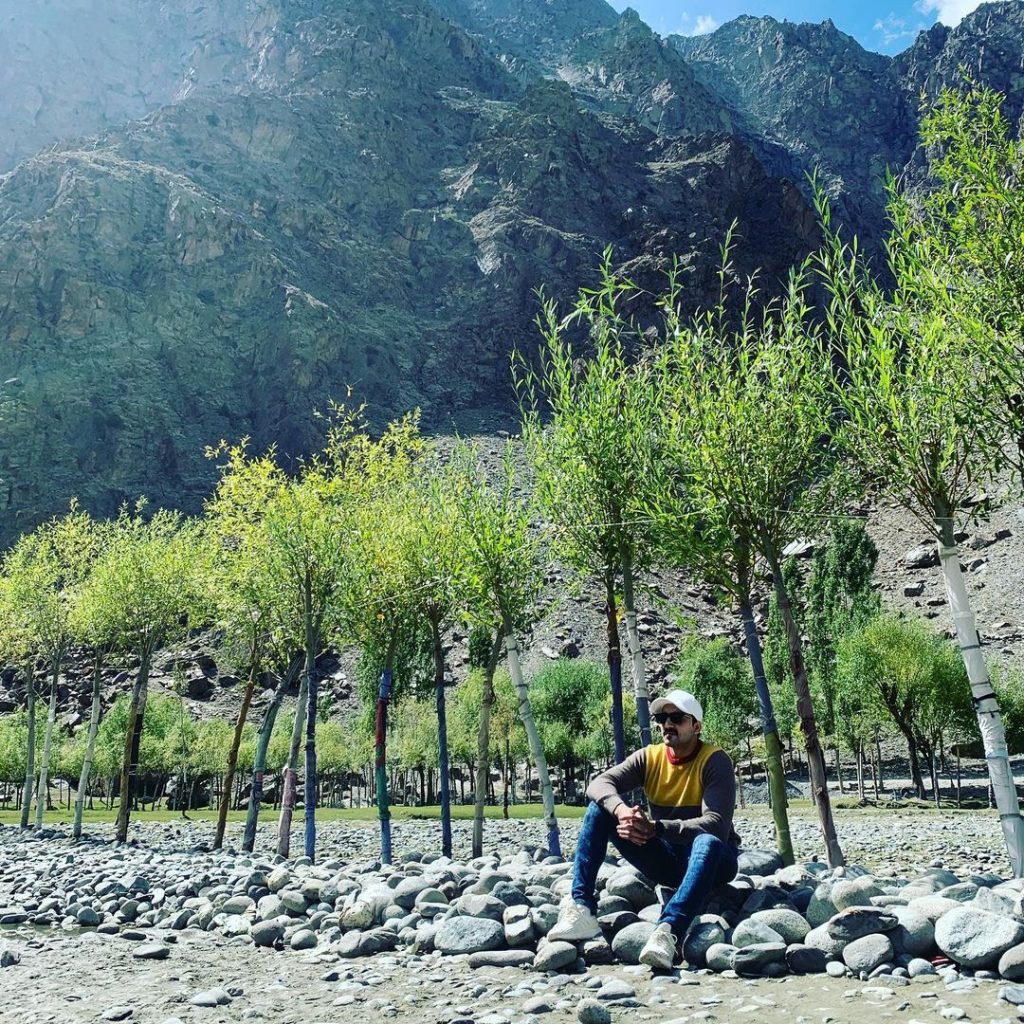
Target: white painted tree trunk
[990, 722]
[30, 751]
[640, 689]
[44, 766]
[533, 738]
[90, 753]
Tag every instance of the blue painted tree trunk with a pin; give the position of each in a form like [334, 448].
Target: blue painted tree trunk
[380, 759]
[310, 780]
[442, 739]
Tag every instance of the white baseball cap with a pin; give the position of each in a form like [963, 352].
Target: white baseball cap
[682, 700]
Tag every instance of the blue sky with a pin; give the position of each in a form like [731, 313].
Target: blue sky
[885, 26]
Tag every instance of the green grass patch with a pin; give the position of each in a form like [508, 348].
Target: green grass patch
[460, 812]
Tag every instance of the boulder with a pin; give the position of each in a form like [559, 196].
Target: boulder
[753, 959]
[821, 908]
[751, 932]
[631, 887]
[1011, 963]
[856, 922]
[481, 906]
[758, 862]
[703, 934]
[469, 935]
[914, 935]
[867, 953]
[766, 898]
[629, 941]
[820, 938]
[719, 956]
[502, 958]
[792, 926]
[854, 893]
[553, 955]
[805, 959]
[976, 938]
[407, 891]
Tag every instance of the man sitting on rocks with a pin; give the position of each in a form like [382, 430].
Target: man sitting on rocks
[688, 843]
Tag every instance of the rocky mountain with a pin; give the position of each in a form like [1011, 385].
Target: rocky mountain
[526, 34]
[218, 216]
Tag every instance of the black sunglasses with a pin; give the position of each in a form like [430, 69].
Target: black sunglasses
[675, 717]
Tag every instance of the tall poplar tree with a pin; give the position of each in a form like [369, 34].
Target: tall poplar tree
[922, 430]
[505, 572]
[750, 413]
[147, 588]
[588, 429]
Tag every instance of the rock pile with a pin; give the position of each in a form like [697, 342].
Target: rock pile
[498, 909]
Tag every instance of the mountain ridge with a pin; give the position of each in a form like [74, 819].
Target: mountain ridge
[302, 196]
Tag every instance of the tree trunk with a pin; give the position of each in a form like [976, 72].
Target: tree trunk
[839, 767]
[443, 767]
[506, 773]
[483, 747]
[132, 742]
[773, 746]
[533, 738]
[933, 769]
[30, 749]
[615, 674]
[259, 764]
[380, 750]
[284, 821]
[236, 742]
[312, 645]
[915, 762]
[640, 690]
[90, 746]
[990, 722]
[860, 772]
[43, 791]
[808, 724]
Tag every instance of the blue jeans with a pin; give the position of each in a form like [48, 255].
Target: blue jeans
[694, 872]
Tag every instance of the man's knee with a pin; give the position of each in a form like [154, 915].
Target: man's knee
[705, 842]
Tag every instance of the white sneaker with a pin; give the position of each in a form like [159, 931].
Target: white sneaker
[575, 924]
[659, 951]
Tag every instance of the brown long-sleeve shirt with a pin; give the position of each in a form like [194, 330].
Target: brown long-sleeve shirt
[691, 797]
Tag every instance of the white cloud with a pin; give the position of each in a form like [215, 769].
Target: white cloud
[949, 12]
[893, 30]
[696, 24]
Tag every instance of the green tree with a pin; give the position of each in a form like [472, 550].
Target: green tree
[568, 697]
[750, 412]
[146, 589]
[588, 428]
[908, 670]
[920, 429]
[244, 595]
[721, 680]
[433, 550]
[967, 228]
[380, 594]
[504, 576]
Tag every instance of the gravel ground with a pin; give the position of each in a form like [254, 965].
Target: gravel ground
[71, 976]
